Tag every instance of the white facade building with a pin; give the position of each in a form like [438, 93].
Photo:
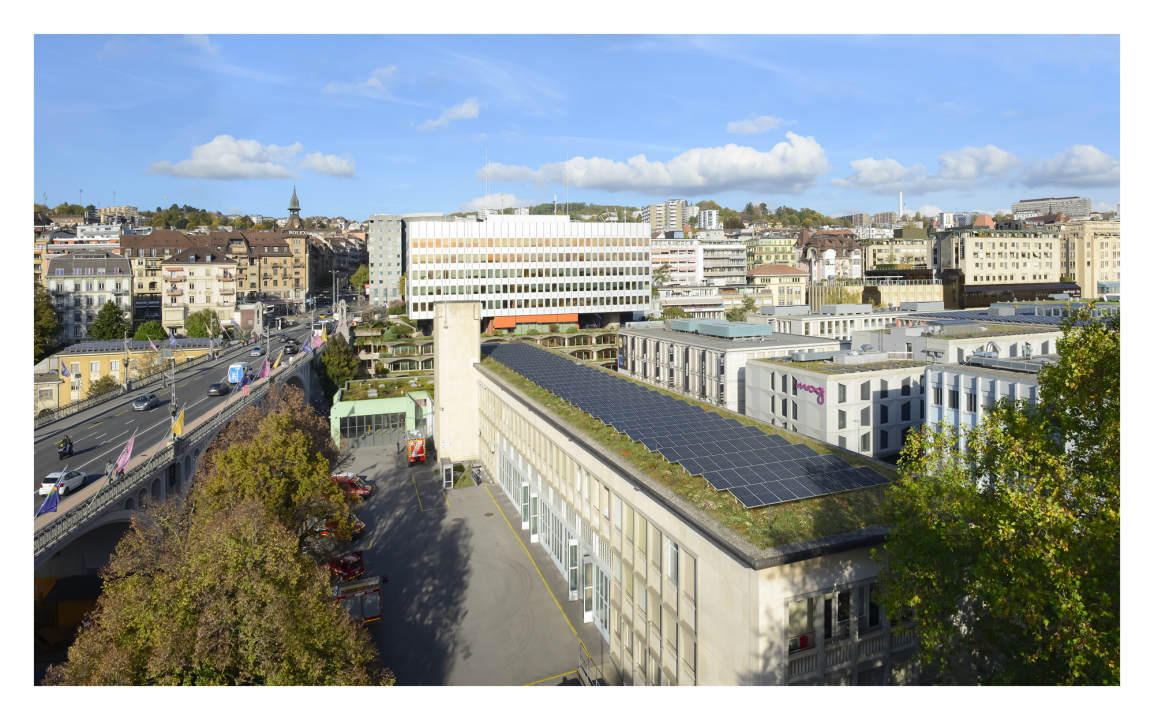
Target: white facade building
[102, 232]
[873, 233]
[529, 266]
[945, 220]
[961, 394]
[708, 220]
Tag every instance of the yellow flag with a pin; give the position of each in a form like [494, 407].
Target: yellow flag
[276, 364]
[178, 426]
[324, 334]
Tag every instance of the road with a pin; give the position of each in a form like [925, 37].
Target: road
[99, 433]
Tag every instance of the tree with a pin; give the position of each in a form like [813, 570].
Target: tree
[764, 210]
[360, 278]
[110, 324]
[842, 295]
[738, 314]
[673, 312]
[750, 210]
[401, 284]
[1005, 540]
[733, 223]
[43, 322]
[660, 277]
[708, 205]
[338, 365]
[693, 222]
[105, 384]
[150, 330]
[202, 324]
[67, 209]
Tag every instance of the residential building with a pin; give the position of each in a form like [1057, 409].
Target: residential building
[908, 248]
[388, 253]
[81, 283]
[108, 232]
[834, 322]
[882, 288]
[531, 265]
[683, 255]
[862, 401]
[885, 218]
[47, 389]
[961, 394]
[829, 254]
[147, 254]
[956, 340]
[774, 248]
[68, 220]
[722, 262]
[129, 359]
[863, 219]
[1091, 254]
[111, 213]
[784, 284]
[271, 266]
[200, 278]
[945, 220]
[1007, 255]
[708, 220]
[672, 215]
[872, 233]
[1073, 206]
[680, 597]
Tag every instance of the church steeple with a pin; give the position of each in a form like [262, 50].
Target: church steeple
[294, 204]
[294, 220]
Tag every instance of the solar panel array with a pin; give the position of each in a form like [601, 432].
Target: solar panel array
[981, 316]
[118, 345]
[759, 469]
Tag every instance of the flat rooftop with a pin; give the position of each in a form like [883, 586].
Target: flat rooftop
[993, 331]
[793, 523]
[832, 368]
[777, 340]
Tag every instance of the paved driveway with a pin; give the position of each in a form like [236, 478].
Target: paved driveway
[469, 600]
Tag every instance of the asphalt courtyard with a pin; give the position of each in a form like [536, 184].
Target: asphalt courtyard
[470, 601]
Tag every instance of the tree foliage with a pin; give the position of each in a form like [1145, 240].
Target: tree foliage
[202, 324]
[738, 314]
[733, 223]
[673, 312]
[67, 209]
[660, 277]
[360, 278]
[338, 365]
[1007, 549]
[103, 385]
[43, 322]
[151, 330]
[110, 324]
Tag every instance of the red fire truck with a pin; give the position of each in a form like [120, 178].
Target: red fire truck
[347, 567]
[353, 485]
[361, 597]
[416, 447]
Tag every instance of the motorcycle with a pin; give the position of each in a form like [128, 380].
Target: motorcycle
[64, 449]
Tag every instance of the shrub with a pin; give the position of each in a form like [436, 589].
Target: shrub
[554, 328]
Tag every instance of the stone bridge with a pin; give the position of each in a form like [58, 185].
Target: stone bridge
[81, 523]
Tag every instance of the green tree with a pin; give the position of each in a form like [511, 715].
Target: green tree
[67, 209]
[103, 385]
[693, 222]
[150, 330]
[338, 365]
[738, 314]
[750, 210]
[733, 223]
[1007, 549]
[708, 205]
[110, 324]
[673, 312]
[842, 295]
[402, 286]
[360, 278]
[202, 324]
[43, 322]
[660, 277]
[764, 210]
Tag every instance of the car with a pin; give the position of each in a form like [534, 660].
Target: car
[218, 388]
[146, 401]
[291, 349]
[73, 481]
[281, 337]
[257, 351]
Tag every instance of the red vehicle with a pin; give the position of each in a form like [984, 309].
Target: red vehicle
[347, 567]
[416, 447]
[328, 526]
[353, 485]
[361, 597]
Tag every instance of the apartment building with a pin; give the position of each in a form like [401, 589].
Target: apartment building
[530, 265]
[1091, 254]
[387, 257]
[908, 248]
[862, 401]
[828, 254]
[81, 283]
[679, 597]
[672, 215]
[708, 220]
[1004, 255]
[200, 278]
[1073, 206]
[885, 218]
[772, 248]
[961, 394]
[785, 285]
[704, 359]
[857, 219]
[682, 254]
[146, 254]
[869, 232]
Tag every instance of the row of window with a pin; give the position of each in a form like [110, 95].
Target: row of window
[531, 257]
[91, 271]
[527, 272]
[528, 242]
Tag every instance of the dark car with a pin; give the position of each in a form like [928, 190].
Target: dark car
[291, 349]
[218, 389]
[281, 337]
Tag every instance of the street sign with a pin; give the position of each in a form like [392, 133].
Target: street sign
[166, 353]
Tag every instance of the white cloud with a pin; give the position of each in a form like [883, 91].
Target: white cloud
[1002, 211]
[1013, 113]
[1105, 206]
[789, 167]
[1081, 166]
[496, 200]
[229, 158]
[753, 126]
[467, 110]
[202, 42]
[330, 165]
[960, 169]
[929, 210]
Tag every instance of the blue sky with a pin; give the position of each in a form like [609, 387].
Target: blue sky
[402, 123]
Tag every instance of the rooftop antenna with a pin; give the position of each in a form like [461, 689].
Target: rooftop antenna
[566, 183]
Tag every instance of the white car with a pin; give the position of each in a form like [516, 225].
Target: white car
[73, 481]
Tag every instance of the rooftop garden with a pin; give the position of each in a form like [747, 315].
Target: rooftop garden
[796, 521]
[359, 389]
[831, 368]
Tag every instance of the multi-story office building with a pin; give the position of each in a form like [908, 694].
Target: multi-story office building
[704, 359]
[1000, 256]
[200, 278]
[1091, 254]
[961, 394]
[955, 340]
[387, 258]
[532, 266]
[834, 322]
[783, 284]
[671, 215]
[864, 401]
[885, 218]
[1075, 207]
[708, 220]
[723, 262]
[908, 248]
[864, 219]
[81, 283]
[773, 248]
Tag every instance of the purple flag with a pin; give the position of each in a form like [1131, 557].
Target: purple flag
[64, 371]
[263, 371]
[53, 500]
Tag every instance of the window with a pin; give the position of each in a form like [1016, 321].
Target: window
[837, 615]
[865, 417]
[865, 391]
[629, 523]
[885, 389]
[616, 511]
[672, 556]
[801, 632]
[906, 383]
[841, 418]
[840, 393]
[869, 612]
[905, 412]
[883, 439]
[642, 535]
[795, 410]
[865, 442]
[628, 583]
[885, 416]
[937, 396]
[953, 398]
[795, 386]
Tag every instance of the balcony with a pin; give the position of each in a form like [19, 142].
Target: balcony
[226, 291]
[175, 277]
[173, 291]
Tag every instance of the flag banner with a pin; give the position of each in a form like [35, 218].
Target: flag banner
[53, 500]
[63, 373]
[154, 348]
[178, 426]
[171, 338]
[276, 364]
[264, 370]
[125, 455]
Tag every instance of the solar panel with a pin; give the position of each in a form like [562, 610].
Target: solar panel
[759, 469]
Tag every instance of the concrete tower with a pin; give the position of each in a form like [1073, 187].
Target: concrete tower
[901, 206]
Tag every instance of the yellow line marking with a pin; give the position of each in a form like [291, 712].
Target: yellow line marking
[92, 426]
[119, 414]
[539, 574]
[416, 490]
[571, 672]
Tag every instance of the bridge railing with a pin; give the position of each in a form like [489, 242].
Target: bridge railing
[112, 493]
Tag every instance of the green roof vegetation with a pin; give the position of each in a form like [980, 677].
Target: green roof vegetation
[359, 389]
[796, 521]
[831, 368]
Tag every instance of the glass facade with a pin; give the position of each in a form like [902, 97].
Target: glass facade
[361, 426]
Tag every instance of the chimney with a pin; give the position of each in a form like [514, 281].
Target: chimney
[901, 205]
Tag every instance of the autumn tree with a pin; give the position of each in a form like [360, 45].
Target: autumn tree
[1005, 543]
[738, 314]
[110, 324]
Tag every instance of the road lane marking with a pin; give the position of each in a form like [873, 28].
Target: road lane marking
[571, 672]
[538, 573]
[120, 413]
[92, 426]
[99, 436]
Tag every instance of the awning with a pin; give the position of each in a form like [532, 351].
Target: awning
[504, 322]
[545, 318]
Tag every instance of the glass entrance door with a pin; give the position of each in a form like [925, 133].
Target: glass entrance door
[587, 596]
[525, 506]
[573, 569]
[533, 522]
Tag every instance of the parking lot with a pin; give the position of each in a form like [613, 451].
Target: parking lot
[469, 600]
